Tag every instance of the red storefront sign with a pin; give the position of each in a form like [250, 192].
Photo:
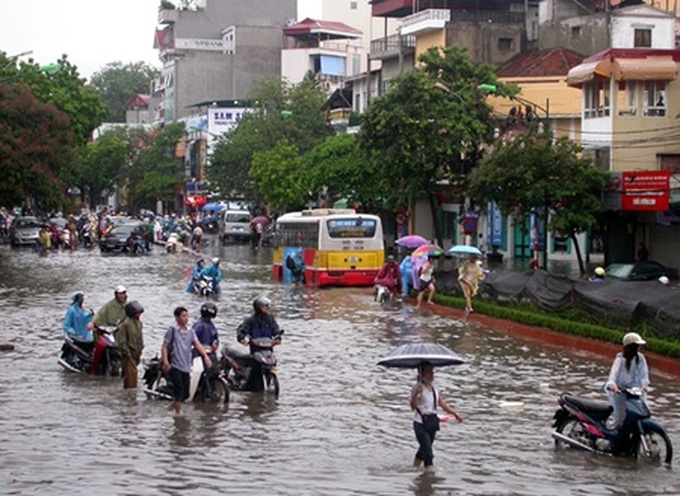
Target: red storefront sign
[646, 190]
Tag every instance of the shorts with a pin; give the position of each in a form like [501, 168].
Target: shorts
[180, 384]
[424, 285]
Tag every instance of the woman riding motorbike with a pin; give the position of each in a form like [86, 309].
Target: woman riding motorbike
[629, 370]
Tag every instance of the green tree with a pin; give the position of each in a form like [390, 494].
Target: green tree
[338, 168]
[36, 144]
[280, 111]
[99, 167]
[277, 173]
[59, 84]
[430, 126]
[539, 175]
[157, 170]
[118, 83]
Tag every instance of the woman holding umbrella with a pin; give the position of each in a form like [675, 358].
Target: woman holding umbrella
[469, 275]
[424, 400]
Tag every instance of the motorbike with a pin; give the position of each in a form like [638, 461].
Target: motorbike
[98, 357]
[159, 386]
[87, 235]
[383, 295]
[137, 244]
[255, 370]
[204, 285]
[581, 423]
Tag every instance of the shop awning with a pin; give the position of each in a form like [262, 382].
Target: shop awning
[587, 71]
[647, 69]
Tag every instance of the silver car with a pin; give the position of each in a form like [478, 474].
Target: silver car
[24, 231]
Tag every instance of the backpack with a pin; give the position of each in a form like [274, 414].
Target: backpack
[290, 263]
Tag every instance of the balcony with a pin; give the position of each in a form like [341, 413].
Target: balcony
[392, 46]
[425, 21]
[167, 16]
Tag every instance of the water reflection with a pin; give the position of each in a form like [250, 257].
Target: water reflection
[342, 424]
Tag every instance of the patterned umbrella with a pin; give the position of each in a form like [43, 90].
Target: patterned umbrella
[427, 250]
[412, 241]
[409, 356]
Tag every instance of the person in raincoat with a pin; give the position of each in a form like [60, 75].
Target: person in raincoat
[406, 269]
[214, 271]
[469, 275]
[196, 274]
[77, 318]
[390, 276]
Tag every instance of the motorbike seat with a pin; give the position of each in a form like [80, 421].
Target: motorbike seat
[598, 410]
[237, 353]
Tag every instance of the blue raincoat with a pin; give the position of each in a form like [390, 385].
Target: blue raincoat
[76, 320]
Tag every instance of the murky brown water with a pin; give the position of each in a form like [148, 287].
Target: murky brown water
[342, 425]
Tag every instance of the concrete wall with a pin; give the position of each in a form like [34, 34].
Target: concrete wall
[593, 34]
[429, 40]
[481, 39]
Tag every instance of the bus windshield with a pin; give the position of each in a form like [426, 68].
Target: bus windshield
[351, 228]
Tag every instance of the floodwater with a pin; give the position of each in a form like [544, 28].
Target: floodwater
[342, 425]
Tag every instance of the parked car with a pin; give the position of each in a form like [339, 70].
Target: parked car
[124, 236]
[24, 231]
[644, 270]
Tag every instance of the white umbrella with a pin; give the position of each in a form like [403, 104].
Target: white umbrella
[409, 356]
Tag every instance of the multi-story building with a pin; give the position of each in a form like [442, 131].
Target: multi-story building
[216, 50]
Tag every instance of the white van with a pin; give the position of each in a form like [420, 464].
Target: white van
[235, 226]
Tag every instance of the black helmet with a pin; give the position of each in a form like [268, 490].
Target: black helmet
[261, 301]
[133, 308]
[208, 310]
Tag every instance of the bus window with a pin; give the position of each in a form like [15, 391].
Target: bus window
[351, 228]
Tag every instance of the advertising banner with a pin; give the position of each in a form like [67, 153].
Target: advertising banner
[645, 190]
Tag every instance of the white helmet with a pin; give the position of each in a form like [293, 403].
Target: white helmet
[599, 271]
[663, 280]
[215, 261]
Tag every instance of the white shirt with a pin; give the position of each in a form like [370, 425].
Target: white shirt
[425, 403]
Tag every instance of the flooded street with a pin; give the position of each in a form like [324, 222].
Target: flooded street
[341, 426]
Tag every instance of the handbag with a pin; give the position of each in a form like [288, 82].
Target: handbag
[430, 420]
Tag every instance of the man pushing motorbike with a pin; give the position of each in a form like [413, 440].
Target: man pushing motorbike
[110, 315]
[261, 324]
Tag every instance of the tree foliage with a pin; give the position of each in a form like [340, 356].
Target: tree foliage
[536, 175]
[157, 171]
[280, 112]
[118, 83]
[58, 88]
[99, 167]
[338, 168]
[277, 174]
[36, 144]
[431, 124]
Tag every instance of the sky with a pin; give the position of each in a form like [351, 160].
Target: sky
[92, 33]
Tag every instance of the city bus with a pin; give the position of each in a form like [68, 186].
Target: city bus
[339, 247]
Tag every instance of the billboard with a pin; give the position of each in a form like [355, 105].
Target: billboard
[645, 190]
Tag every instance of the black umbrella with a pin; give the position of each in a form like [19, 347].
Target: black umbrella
[409, 356]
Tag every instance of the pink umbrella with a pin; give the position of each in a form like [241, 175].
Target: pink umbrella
[260, 219]
[412, 241]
